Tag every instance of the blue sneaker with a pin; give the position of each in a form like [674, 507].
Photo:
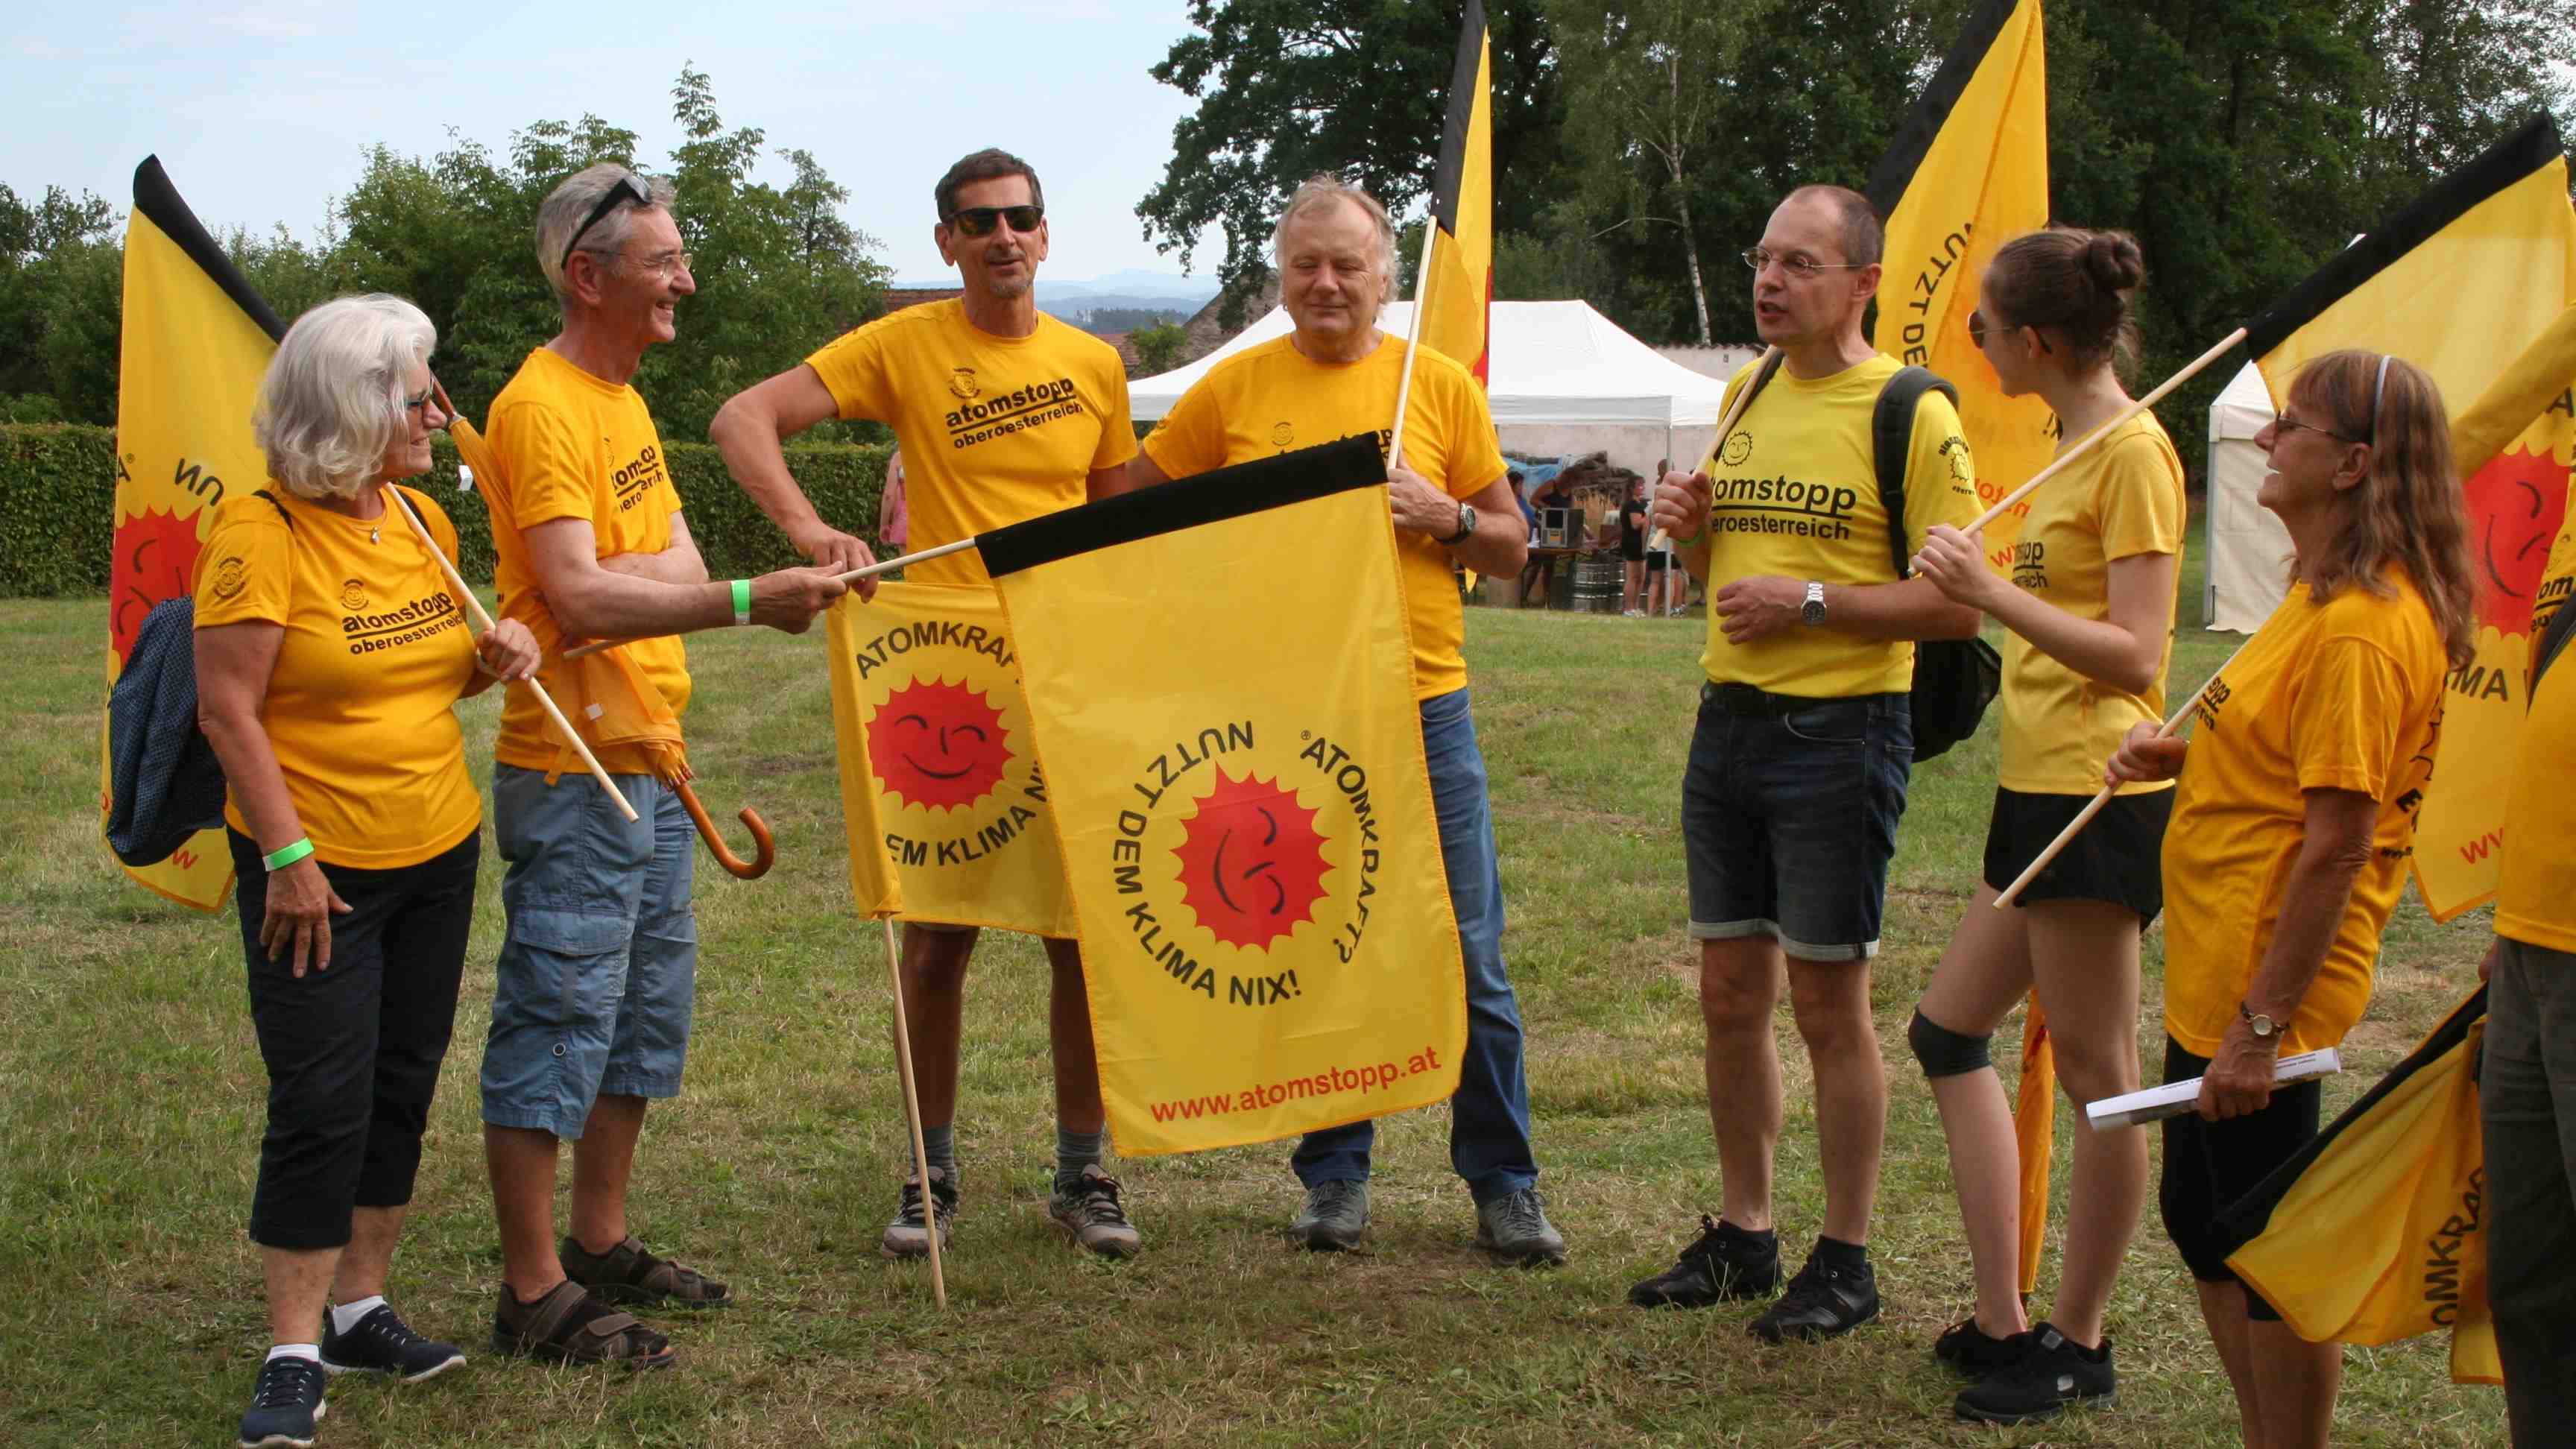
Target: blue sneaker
[285, 1406]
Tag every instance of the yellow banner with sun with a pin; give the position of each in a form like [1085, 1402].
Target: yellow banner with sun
[940, 792]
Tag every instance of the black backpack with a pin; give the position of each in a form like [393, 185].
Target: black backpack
[1954, 679]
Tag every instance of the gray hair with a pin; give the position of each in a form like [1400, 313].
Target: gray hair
[1316, 192]
[569, 204]
[331, 404]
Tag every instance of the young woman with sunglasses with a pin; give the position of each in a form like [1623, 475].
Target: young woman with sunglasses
[2088, 598]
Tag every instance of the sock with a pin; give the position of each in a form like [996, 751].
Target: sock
[939, 1147]
[1768, 1237]
[1075, 1151]
[312, 1351]
[345, 1316]
[1835, 1253]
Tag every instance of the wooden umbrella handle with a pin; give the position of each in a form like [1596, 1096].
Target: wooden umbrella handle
[764, 851]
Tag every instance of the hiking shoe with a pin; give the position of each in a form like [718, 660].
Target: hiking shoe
[1823, 1301]
[285, 1405]
[628, 1274]
[1086, 1207]
[908, 1236]
[570, 1325]
[1726, 1262]
[1335, 1217]
[2051, 1376]
[1972, 1351]
[1515, 1226]
[383, 1343]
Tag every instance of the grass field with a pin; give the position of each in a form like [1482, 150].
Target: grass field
[131, 1105]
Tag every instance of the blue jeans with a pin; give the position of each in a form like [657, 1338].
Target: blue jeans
[1489, 1142]
[599, 967]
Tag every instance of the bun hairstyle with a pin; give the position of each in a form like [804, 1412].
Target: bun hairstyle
[2080, 285]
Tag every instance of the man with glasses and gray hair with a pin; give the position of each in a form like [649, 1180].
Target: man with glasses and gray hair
[1804, 743]
[1050, 432]
[598, 968]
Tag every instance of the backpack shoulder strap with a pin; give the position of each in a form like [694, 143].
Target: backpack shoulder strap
[1761, 379]
[280, 507]
[1891, 439]
[2553, 641]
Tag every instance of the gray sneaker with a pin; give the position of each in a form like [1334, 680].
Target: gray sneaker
[1087, 1209]
[908, 1236]
[1335, 1217]
[1515, 1226]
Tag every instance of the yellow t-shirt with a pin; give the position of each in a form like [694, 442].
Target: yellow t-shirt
[1272, 399]
[1795, 495]
[2121, 499]
[572, 445]
[2536, 894]
[2344, 695]
[359, 709]
[994, 430]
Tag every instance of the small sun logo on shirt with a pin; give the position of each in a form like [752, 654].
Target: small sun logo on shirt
[961, 381]
[1281, 435]
[353, 595]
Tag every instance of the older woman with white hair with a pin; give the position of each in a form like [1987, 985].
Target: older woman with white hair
[330, 652]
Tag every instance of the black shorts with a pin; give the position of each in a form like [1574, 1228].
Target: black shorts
[1632, 550]
[2209, 1165]
[2116, 857]
[1658, 560]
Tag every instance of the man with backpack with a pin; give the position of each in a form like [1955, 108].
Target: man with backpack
[1800, 521]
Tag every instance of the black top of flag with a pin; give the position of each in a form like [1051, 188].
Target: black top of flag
[156, 198]
[1895, 169]
[1462, 108]
[1210, 497]
[2534, 145]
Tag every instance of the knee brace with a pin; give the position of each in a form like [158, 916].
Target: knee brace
[1945, 1053]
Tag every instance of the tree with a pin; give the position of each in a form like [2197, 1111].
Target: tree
[60, 295]
[1158, 347]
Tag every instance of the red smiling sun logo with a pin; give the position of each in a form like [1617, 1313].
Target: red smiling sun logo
[2515, 505]
[155, 558]
[938, 745]
[1252, 864]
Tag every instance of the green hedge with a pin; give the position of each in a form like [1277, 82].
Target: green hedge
[57, 501]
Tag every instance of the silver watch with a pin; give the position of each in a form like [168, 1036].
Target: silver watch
[1812, 612]
[1466, 527]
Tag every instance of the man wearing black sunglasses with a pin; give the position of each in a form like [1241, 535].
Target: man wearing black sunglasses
[1003, 413]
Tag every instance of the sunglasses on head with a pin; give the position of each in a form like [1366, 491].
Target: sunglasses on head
[629, 187]
[978, 220]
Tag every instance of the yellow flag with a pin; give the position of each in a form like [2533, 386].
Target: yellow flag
[1458, 293]
[1968, 171]
[196, 341]
[1231, 741]
[2463, 283]
[947, 814]
[2376, 1231]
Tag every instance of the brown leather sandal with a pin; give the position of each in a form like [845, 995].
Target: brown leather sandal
[628, 1274]
[569, 1325]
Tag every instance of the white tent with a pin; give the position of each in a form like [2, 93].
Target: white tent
[2246, 545]
[1563, 379]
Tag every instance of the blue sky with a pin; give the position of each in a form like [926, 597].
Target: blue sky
[261, 109]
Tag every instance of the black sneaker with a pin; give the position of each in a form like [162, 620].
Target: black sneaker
[908, 1236]
[2054, 1374]
[1823, 1301]
[1726, 1262]
[383, 1343]
[1973, 1352]
[285, 1406]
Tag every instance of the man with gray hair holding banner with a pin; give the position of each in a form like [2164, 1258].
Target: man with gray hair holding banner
[1334, 376]
[598, 970]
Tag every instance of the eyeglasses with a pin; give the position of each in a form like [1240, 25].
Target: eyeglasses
[666, 263]
[1978, 330]
[629, 187]
[1796, 264]
[2284, 423]
[978, 220]
[420, 399]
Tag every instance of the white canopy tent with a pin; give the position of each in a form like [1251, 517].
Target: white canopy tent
[2246, 545]
[1563, 379]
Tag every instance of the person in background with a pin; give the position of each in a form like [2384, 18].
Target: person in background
[1632, 548]
[2293, 822]
[330, 654]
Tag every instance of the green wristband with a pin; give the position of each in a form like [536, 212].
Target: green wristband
[282, 858]
[1692, 541]
[742, 601]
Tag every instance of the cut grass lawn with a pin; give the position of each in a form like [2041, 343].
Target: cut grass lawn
[131, 1102]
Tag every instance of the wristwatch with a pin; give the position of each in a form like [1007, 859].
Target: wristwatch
[1812, 612]
[1466, 526]
[2263, 1027]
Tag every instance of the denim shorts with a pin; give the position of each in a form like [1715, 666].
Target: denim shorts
[1789, 813]
[599, 962]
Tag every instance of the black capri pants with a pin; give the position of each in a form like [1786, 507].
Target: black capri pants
[353, 1052]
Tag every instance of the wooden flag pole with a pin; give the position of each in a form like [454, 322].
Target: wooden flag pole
[2104, 431]
[2005, 898]
[852, 577]
[1726, 421]
[1413, 336]
[483, 621]
[912, 1113]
